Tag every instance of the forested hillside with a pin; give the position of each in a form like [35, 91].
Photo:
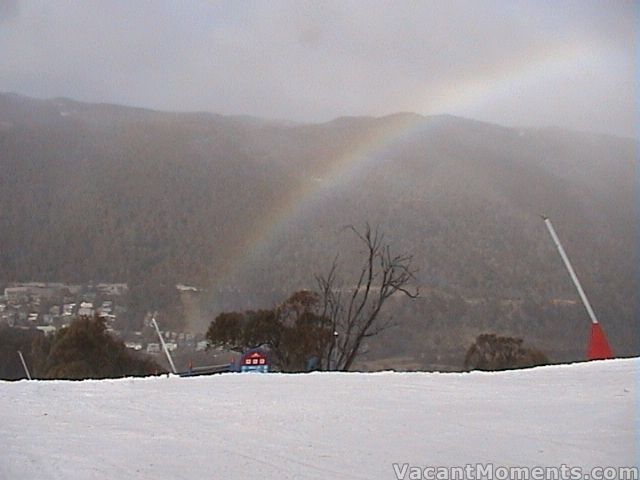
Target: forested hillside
[250, 210]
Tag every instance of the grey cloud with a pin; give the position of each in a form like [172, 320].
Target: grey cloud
[8, 10]
[566, 63]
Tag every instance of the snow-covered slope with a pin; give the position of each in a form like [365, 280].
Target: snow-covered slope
[319, 426]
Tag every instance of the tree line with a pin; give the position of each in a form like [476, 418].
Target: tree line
[323, 329]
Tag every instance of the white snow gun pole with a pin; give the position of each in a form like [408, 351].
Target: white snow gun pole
[24, 365]
[164, 345]
[567, 264]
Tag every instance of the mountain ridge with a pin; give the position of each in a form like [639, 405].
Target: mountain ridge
[286, 122]
[161, 198]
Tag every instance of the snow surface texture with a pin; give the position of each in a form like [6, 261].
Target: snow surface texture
[318, 426]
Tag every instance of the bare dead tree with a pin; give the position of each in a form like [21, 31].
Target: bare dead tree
[355, 311]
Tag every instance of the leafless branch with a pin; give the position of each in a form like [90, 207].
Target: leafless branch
[381, 276]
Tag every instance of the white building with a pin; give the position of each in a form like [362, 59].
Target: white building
[86, 309]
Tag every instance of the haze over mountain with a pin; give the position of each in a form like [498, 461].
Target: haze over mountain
[246, 207]
[517, 62]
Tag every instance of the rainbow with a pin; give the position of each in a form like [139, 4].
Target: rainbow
[462, 98]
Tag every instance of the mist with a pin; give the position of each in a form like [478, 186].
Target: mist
[570, 64]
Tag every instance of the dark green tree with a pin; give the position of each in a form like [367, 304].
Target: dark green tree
[293, 332]
[86, 350]
[226, 331]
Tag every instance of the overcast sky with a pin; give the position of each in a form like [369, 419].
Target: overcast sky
[529, 63]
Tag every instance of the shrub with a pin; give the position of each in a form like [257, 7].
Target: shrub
[493, 352]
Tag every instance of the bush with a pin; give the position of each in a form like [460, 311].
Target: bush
[294, 332]
[12, 340]
[492, 352]
[86, 350]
